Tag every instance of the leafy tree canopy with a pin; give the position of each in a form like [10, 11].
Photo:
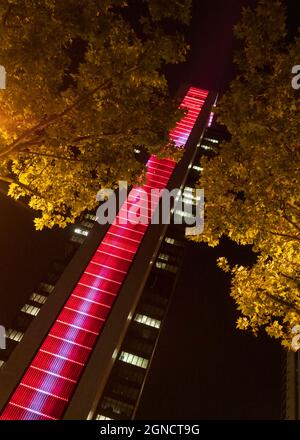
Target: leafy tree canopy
[252, 185]
[84, 87]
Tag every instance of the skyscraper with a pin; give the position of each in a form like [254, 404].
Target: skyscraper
[67, 359]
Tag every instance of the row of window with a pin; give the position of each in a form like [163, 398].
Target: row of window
[90, 217]
[146, 320]
[14, 335]
[170, 240]
[48, 288]
[80, 231]
[133, 359]
[125, 390]
[197, 168]
[166, 266]
[138, 345]
[41, 299]
[30, 310]
[163, 256]
[214, 141]
[77, 238]
[101, 417]
[184, 213]
[117, 407]
[87, 224]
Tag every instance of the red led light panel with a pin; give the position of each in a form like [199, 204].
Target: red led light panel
[48, 383]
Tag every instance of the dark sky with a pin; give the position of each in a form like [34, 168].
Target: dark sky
[204, 368]
[210, 36]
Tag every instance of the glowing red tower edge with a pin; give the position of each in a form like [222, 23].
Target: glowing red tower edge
[49, 381]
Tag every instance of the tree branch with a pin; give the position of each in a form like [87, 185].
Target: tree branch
[21, 185]
[57, 117]
[54, 156]
[291, 222]
[282, 302]
[292, 237]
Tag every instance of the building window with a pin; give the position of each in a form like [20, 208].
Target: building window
[117, 407]
[14, 335]
[162, 256]
[166, 266]
[30, 310]
[214, 141]
[90, 217]
[86, 224]
[188, 201]
[184, 214]
[46, 287]
[41, 299]
[125, 390]
[171, 240]
[80, 231]
[77, 239]
[146, 320]
[132, 359]
[101, 417]
[197, 168]
[129, 374]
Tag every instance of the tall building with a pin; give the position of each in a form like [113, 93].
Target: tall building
[87, 353]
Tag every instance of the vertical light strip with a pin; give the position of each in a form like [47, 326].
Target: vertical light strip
[49, 381]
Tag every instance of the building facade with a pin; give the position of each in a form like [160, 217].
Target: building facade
[87, 353]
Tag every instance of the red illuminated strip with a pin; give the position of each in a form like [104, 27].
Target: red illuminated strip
[50, 379]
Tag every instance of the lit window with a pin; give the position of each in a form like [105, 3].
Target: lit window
[184, 214]
[86, 224]
[77, 239]
[133, 359]
[144, 319]
[197, 168]
[80, 231]
[214, 141]
[101, 417]
[14, 335]
[166, 266]
[41, 299]
[116, 406]
[163, 256]
[30, 310]
[47, 287]
[170, 240]
[90, 217]
[188, 201]
[188, 195]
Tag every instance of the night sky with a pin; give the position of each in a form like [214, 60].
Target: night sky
[203, 368]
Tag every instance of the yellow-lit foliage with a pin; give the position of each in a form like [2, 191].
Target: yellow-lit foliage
[84, 87]
[252, 185]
